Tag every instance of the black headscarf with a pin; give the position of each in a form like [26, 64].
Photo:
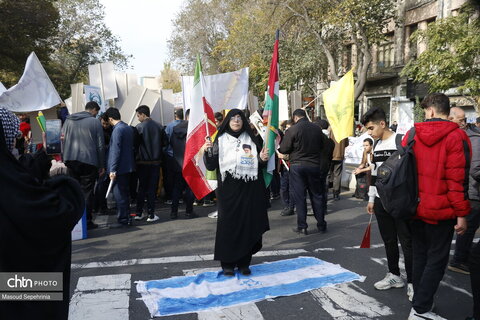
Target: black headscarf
[225, 127]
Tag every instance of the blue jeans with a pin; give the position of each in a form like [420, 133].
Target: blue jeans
[285, 190]
[121, 193]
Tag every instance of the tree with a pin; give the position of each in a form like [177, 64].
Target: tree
[197, 29]
[82, 39]
[26, 26]
[333, 23]
[452, 57]
[170, 78]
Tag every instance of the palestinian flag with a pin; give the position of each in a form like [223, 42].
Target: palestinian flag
[270, 114]
[201, 124]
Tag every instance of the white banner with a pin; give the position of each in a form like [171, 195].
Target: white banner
[34, 91]
[354, 150]
[405, 116]
[102, 75]
[283, 113]
[94, 94]
[222, 91]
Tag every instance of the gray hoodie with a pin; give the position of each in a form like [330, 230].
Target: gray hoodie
[474, 179]
[83, 140]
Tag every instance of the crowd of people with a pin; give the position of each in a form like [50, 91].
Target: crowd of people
[140, 161]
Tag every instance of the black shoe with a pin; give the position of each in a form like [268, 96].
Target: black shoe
[91, 226]
[245, 271]
[228, 272]
[287, 212]
[191, 215]
[322, 229]
[300, 230]
[118, 225]
[458, 267]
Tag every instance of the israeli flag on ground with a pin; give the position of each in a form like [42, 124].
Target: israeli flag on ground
[212, 290]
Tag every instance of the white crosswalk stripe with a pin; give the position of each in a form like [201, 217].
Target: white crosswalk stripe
[101, 297]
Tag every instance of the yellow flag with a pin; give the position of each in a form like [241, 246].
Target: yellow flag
[338, 102]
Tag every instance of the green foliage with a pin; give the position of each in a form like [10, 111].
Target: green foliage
[26, 26]
[83, 39]
[232, 34]
[66, 35]
[452, 58]
[170, 78]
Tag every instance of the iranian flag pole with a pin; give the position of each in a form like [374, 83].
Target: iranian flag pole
[270, 113]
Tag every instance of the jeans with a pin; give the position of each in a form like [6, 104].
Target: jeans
[392, 230]
[431, 249]
[148, 175]
[169, 176]
[464, 241]
[285, 190]
[303, 179]
[475, 279]
[179, 186]
[86, 175]
[121, 193]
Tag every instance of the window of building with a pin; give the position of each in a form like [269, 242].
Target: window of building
[386, 53]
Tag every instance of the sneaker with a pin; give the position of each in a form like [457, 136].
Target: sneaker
[213, 215]
[168, 202]
[197, 203]
[390, 281]
[424, 316]
[410, 291]
[138, 217]
[458, 267]
[275, 197]
[208, 203]
[287, 212]
[180, 201]
[152, 218]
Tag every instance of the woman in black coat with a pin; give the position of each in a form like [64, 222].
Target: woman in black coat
[238, 158]
[37, 216]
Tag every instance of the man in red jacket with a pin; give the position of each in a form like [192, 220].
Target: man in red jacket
[442, 152]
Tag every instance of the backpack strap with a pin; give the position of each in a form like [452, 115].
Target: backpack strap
[398, 141]
[411, 135]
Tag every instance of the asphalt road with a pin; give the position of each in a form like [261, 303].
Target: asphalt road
[169, 248]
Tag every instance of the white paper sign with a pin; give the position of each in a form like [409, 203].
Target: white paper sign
[102, 75]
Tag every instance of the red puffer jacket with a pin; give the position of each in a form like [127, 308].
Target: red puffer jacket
[443, 154]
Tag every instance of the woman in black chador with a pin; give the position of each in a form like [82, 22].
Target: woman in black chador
[37, 215]
[238, 158]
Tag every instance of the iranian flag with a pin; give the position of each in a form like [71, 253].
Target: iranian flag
[270, 114]
[201, 124]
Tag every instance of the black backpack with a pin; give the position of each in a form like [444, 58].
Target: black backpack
[396, 183]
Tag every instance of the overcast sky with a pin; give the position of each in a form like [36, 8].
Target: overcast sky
[144, 26]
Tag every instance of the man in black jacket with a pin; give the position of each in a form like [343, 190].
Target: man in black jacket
[178, 142]
[152, 140]
[304, 142]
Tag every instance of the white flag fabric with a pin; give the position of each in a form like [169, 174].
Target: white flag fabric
[213, 290]
[222, 91]
[33, 92]
[2, 88]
